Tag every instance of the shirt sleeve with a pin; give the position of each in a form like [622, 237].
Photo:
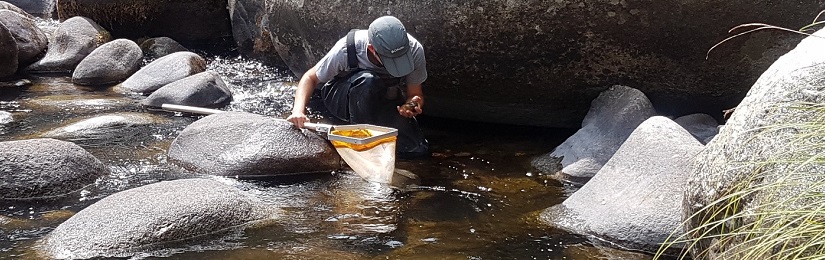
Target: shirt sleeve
[333, 63]
[419, 73]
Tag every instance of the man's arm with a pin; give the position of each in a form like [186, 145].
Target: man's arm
[415, 93]
[305, 87]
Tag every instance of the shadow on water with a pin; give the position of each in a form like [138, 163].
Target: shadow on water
[478, 196]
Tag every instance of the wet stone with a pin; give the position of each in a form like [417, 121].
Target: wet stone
[109, 129]
[168, 69]
[110, 63]
[73, 40]
[156, 216]
[22, 164]
[31, 41]
[250, 145]
[205, 89]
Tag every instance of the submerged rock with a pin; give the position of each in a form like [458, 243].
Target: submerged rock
[249, 145]
[154, 216]
[45, 168]
[108, 129]
[167, 69]
[611, 119]
[70, 43]
[635, 199]
[205, 89]
[110, 63]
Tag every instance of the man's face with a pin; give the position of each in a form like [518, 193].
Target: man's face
[374, 55]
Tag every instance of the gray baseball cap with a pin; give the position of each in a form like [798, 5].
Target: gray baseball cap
[389, 38]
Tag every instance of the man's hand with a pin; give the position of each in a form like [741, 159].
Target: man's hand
[298, 119]
[412, 107]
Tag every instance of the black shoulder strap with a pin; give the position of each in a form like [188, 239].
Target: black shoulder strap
[352, 59]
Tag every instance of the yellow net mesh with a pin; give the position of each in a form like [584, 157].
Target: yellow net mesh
[359, 133]
[374, 161]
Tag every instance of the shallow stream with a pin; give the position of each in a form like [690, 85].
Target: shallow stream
[478, 198]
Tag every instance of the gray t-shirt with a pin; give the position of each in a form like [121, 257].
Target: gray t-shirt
[335, 62]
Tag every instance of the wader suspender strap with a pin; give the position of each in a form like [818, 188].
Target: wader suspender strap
[352, 60]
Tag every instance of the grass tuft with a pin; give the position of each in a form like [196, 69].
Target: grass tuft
[777, 211]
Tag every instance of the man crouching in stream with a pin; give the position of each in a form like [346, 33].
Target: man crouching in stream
[363, 74]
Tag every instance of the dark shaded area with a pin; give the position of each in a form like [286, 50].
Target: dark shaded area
[196, 24]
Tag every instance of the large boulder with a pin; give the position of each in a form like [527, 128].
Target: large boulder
[195, 23]
[70, 43]
[151, 217]
[40, 8]
[205, 89]
[538, 62]
[45, 168]
[249, 145]
[771, 146]
[8, 52]
[612, 117]
[635, 199]
[167, 69]
[110, 63]
[250, 32]
[31, 41]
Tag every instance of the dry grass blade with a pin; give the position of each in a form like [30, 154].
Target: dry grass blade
[761, 26]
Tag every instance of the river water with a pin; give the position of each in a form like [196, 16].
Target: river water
[478, 199]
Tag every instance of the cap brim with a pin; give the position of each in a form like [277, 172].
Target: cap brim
[398, 66]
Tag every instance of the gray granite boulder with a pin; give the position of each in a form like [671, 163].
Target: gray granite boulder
[635, 199]
[249, 145]
[74, 38]
[154, 216]
[205, 89]
[39, 8]
[702, 126]
[31, 41]
[160, 46]
[45, 168]
[8, 6]
[197, 23]
[165, 70]
[8, 53]
[612, 117]
[109, 129]
[110, 63]
[772, 142]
